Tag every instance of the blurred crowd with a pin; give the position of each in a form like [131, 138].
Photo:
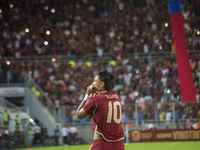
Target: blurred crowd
[81, 27]
[114, 27]
[38, 136]
[10, 140]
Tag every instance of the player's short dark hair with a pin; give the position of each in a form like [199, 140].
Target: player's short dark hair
[108, 80]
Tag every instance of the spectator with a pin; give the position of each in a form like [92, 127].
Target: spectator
[73, 114]
[189, 123]
[161, 116]
[73, 132]
[196, 125]
[151, 125]
[6, 118]
[124, 118]
[176, 116]
[17, 121]
[140, 117]
[37, 136]
[57, 106]
[44, 135]
[156, 117]
[56, 135]
[65, 135]
[31, 136]
[168, 117]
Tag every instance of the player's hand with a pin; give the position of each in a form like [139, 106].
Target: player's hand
[90, 116]
[89, 89]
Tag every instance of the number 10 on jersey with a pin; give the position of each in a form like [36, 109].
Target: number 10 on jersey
[115, 110]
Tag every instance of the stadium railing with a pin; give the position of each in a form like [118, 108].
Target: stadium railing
[94, 57]
[29, 82]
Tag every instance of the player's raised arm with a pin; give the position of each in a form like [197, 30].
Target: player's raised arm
[80, 113]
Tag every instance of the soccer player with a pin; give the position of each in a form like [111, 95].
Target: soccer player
[104, 107]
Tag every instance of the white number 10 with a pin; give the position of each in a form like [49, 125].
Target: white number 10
[114, 107]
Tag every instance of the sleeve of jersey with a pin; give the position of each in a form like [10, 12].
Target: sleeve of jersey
[90, 105]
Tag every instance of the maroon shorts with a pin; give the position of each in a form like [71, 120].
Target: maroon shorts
[103, 145]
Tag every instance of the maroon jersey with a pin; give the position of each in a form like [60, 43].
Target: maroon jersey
[107, 115]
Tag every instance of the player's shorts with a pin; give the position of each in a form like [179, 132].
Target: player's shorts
[103, 145]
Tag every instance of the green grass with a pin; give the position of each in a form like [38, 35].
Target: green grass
[134, 146]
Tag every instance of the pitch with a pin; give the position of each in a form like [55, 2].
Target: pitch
[133, 146]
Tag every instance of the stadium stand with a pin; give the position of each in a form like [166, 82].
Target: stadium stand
[62, 44]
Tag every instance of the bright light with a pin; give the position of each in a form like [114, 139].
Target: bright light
[137, 71]
[166, 24]
[48, 32]
[46, 43]
[53, 59]
[160, 47]
[31, 120]
[198, 32]
[11, 5]
[136, 93]
[46, 7]
[8, 62]
[53, 10]
[29, 72]
[168, 91]
[0, 11]
[27, 30]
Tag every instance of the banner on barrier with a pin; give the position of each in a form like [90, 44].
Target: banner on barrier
[164, 135]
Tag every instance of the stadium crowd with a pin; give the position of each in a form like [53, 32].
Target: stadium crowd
[82, 27]
[114, 27]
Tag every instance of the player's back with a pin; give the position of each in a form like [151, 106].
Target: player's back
[108, 116]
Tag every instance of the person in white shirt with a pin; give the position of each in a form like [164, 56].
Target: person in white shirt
[148, 97]
[73, 133]
[194, 126]
[65, 133]
[150, 125]
[141, 99]
[165, 71]
[168, 117]
[127, 78]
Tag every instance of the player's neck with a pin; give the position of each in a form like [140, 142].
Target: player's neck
[103, 91]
